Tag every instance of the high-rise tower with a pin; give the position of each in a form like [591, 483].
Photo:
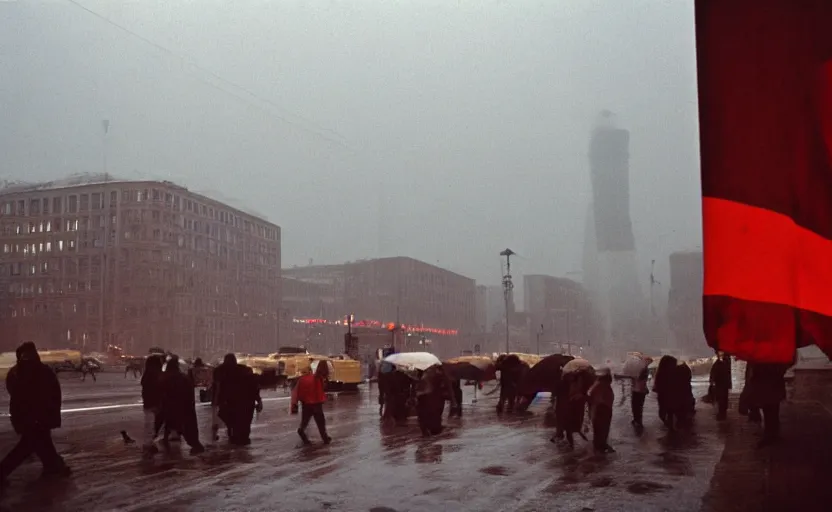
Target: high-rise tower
[610, 253]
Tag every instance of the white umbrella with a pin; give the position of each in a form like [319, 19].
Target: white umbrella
[410, 361]
[634, 366]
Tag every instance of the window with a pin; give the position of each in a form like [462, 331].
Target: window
[156, 195]
[56, 205]
[97, 201]
[85, 202]
[113, 198]
[7, 248]
[73, 204]
[45, 205]
[7, 209]
[21, 207]
[34, 207]
[15, 269]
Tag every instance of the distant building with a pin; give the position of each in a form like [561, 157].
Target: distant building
[429, 303]
[565, 310]
[495, 306]
[684, 304]
[481, 308]
[93, 261]
[609, 250]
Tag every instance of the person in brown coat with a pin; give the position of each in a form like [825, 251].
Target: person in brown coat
[601, 399]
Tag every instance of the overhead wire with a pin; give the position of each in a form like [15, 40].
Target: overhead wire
[306, 124]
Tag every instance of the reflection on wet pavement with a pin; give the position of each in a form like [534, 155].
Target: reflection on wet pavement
[480, 462]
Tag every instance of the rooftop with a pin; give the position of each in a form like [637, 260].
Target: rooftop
[85, 179]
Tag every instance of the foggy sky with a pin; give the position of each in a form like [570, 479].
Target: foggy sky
[464, 124]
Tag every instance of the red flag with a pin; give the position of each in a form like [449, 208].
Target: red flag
[765, 111]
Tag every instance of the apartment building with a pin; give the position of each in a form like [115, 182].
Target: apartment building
[93, 261]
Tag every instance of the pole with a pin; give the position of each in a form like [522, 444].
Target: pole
[507, 287]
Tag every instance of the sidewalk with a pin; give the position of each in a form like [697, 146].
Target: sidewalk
[793, 475]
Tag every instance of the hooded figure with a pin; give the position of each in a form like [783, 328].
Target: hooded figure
[179, 406]
[35, 409]
[237, 395]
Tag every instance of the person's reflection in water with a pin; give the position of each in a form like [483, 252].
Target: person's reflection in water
[429, 453]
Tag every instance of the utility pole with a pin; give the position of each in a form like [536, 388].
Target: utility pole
[539, 334]
[508, 286]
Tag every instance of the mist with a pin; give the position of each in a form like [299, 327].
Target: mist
[444, 131]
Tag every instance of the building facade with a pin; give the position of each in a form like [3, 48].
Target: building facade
[427, 301]
[91, 261]
[609, 251]
[684, 302]
[561, 312]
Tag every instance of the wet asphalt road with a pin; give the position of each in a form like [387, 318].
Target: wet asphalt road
[480, 463]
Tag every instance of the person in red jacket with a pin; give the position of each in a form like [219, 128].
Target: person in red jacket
[309, 391]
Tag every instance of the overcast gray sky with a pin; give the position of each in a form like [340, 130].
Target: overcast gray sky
[464, 124]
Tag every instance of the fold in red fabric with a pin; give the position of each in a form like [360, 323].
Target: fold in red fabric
[765, 111]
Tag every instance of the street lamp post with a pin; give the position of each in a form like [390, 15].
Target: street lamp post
[507, 287]
[539, 334]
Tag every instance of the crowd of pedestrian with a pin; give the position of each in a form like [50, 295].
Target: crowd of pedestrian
[170, 409]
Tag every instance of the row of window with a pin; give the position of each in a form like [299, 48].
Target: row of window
[85, 202]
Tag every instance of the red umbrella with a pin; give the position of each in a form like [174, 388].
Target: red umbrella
[765, 113]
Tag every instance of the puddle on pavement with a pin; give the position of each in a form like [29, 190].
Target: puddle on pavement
[429, 454]
[495, 470]
[643, 487]
[674, 464]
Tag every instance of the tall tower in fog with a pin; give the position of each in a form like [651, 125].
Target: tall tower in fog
[609, 245]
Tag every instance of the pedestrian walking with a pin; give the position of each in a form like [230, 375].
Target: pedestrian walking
[720, 385]
[766, 389]
[179, 406]
[601, 399]
[151, 403]
[35, 408]
[639, 394]
[309, 392]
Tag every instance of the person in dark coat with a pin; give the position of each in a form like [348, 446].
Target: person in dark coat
[720, 382]
[179, 406]
[663, 386]
[151, 402]
[35, 409]
[244, 401]
[766, 389]
[219, 395]
[237, 396]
